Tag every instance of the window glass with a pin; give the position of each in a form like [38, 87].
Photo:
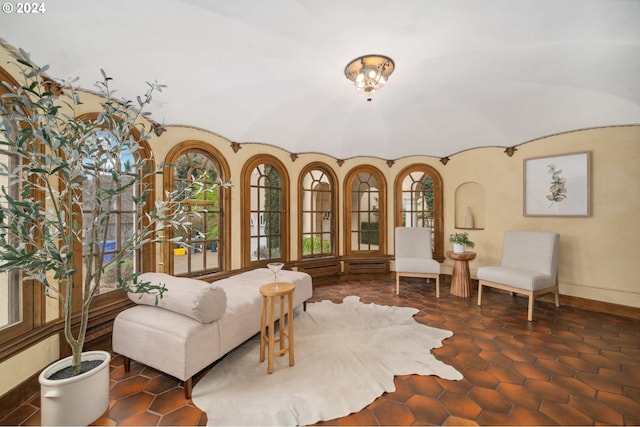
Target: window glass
[123, 219]
[364, 213]
[419, 202]
[202, 253]
[266, 212]
[365, 208]
[317, 219]
[19, 312]
[11, 309]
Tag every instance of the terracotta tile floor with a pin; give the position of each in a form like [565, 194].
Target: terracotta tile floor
[568, 367]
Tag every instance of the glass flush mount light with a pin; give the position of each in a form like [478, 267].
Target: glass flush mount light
[369, 73]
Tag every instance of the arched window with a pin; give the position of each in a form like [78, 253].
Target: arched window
[317, 211]
[125, 216]
[18, 311]
[265, 206]
[418, 191]
[206, 249]
[10, 294]
[365, 219]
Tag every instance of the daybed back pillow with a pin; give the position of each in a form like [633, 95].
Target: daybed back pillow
[200, 300]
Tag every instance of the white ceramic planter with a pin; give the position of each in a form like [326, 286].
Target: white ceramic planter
[458, 248]
[78, 400]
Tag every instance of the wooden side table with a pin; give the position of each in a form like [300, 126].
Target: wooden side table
[267, 330]
[461, 279]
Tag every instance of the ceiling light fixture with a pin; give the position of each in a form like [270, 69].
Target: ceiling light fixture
[369, 73]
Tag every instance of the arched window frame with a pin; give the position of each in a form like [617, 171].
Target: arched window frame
[224, 203]
[438, 242]
[348, 210]
[246, 187]
[332, 212]
[145, 256]
[28, 294]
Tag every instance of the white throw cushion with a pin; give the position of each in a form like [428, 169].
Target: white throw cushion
[200, 300]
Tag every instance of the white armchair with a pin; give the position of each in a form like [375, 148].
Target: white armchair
[414, 256]
[529, 266]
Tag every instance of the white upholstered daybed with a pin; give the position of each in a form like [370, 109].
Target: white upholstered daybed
[196, 322]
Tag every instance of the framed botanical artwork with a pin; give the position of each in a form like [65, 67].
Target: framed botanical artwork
[558, 185]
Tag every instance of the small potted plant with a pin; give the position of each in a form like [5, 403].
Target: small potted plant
[460, 242]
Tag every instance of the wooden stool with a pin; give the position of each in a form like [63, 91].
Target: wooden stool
[269, 293]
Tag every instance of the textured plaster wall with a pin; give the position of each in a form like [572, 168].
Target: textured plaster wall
[593, 263]
[598, 254]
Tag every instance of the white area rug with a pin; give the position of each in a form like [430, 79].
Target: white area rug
[346, 355]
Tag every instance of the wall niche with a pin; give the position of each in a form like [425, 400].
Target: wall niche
[470, 206]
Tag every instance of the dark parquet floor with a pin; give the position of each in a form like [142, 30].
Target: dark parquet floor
[567, 367]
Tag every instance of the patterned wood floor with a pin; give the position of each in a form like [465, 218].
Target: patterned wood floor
[568, 367]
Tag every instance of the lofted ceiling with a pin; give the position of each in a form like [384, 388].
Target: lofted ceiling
[468, 73]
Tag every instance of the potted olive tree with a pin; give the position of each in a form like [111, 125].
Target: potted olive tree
[64, 174]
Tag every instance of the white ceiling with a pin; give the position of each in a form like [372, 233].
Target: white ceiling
[468, 73]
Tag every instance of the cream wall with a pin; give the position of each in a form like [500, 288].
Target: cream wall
[597, 253]
[20, 367]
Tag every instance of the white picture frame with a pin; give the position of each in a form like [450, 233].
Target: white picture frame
[558, 185]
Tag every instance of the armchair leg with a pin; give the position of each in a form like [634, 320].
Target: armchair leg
[127, 363]
[479, 293]
[557, 297]
[530, 312]
[188, 386]
[428, 279]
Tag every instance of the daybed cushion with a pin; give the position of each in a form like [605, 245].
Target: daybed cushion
[200, 300]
